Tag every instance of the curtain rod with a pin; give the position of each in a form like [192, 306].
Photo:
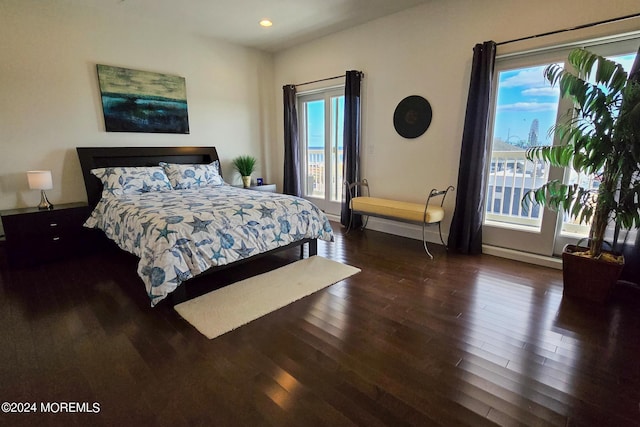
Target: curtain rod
[321, 80]
[579, 27]
[324, 80]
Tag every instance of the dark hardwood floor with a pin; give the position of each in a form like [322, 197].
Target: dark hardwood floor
[408, 341]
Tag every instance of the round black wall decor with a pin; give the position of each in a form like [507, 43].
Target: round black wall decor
[412, 116]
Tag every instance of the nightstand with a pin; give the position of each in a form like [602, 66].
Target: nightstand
[268, 188]
[34, 235]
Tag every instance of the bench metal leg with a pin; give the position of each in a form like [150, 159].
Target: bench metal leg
[350, 220]
[365, 220]
[441, 239]
[424, 240]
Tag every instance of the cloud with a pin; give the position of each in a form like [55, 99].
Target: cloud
[541, 91]
[529, 106]
[527, 77]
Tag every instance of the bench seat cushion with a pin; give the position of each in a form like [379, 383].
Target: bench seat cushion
[395, 209]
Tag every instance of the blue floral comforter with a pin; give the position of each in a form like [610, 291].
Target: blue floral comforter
[181, 233]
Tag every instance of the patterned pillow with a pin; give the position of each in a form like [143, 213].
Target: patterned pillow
[185, 176]
[132, 180]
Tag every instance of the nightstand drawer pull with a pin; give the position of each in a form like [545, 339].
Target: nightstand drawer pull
[55, 239]
[53, 224]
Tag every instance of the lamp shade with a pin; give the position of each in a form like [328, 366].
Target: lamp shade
[40, 180]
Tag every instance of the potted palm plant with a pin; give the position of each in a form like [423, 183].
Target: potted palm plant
[245, 165]
[600, 136]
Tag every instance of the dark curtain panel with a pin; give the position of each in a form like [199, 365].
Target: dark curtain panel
[351, 142]
[291, 148]
[465, 235]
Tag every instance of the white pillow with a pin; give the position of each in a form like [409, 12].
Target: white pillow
[118, 181]
[185, 176]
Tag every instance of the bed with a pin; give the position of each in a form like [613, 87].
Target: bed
[170, 207]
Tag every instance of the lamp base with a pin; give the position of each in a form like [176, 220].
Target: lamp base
[44, 202]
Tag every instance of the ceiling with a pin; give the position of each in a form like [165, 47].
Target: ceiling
[294, 21]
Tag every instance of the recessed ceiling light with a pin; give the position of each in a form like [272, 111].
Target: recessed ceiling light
[266, 23]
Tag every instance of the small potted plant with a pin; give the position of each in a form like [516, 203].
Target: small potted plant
[600, 136]
[245, 165]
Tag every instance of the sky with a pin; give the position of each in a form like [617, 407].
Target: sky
[315, 121]
[525, 95]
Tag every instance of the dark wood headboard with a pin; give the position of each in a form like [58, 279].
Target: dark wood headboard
[102, 157]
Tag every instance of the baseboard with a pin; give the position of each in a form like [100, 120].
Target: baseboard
[403, 229]
[333, 217]
[413, 231]
[410, 231]
[545, 261]
[431, 233]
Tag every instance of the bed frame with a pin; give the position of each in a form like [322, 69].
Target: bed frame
[103, 157]
[100, 157]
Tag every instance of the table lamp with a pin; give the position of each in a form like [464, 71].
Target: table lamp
[41, 180]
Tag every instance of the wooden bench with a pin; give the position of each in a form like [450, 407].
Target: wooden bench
[413, 213]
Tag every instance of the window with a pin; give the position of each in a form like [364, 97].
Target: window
[524, 109]
[571, 227]
[321, 132]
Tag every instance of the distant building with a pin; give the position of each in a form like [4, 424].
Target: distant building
[533, 133]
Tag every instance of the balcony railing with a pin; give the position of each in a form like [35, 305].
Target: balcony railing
[511, 176]
[316, 184]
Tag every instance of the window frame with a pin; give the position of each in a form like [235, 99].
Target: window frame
[325, 94]
[551, 237]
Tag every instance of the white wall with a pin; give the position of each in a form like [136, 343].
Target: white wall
[424, 51]
[50, 100]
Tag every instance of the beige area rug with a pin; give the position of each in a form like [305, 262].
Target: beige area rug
[228, 308]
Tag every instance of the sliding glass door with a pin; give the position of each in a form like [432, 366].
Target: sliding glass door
[321, 133]
[525, 107]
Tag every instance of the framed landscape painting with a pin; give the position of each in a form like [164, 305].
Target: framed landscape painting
[142, 101]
